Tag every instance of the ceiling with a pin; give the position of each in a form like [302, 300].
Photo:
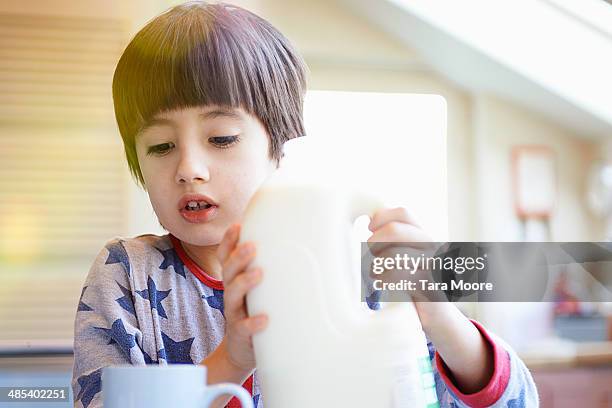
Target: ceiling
[543, 54]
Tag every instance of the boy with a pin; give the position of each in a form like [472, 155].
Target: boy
[205, 96]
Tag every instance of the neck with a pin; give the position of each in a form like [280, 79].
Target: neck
[206, 258]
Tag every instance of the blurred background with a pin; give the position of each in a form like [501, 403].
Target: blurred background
[529, 124]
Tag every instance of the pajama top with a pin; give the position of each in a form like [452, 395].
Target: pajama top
[145, 301]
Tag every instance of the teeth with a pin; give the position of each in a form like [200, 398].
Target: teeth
[197, 205]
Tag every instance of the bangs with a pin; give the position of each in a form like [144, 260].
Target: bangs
[198, 54]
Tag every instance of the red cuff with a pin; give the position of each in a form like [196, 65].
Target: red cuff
[497, 384]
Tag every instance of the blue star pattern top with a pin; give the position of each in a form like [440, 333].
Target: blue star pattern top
[126, 301]
[373, 300]
[140, 305]
[90, 385]
[82, 306]
[216, 300]
[178, 352]
[118, 255]
[155, 297]
[517, 402]
[117, 334]
[172, 259]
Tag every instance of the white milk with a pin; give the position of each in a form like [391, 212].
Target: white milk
[323, 347]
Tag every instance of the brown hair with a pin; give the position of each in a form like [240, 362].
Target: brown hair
[198, 54]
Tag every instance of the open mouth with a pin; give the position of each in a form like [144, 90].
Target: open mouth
[197, 208]
[197, 205]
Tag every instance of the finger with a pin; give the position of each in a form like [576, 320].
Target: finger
[235, 293]
[228, 242]
[392, 233]
[239, 259]
[399, 232]
[249, 326]
[399, 214]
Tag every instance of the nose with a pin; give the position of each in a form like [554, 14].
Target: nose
[192, 168]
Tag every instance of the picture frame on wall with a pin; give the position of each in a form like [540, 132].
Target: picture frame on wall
[534, 181]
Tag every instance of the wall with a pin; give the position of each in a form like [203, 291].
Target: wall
[502, 125]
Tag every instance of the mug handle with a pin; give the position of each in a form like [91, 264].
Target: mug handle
[213, 391]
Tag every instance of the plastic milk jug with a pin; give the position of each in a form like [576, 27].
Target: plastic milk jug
[323, 347]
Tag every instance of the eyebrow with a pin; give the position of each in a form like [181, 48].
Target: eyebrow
[221, 112]
[154, 122]
[212, 114]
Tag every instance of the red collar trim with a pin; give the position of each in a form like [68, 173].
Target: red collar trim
[193, 267]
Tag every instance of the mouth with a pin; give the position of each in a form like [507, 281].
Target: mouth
[197, 208]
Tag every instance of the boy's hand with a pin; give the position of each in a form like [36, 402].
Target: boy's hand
[395, 231]
[238, 279]
[397, 225]
[459, 343]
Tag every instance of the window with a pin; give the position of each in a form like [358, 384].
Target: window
[63, 181]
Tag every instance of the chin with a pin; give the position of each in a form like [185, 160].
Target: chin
[199, 235]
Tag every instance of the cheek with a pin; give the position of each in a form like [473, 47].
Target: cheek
[157, 202]
[252, 165]
[153, 178]
[244, 180]
[147, 167]
[241, 184]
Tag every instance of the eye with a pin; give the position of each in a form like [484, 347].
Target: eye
[160, 149]
[224, 141]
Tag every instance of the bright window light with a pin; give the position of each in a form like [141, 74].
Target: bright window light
[390, 145]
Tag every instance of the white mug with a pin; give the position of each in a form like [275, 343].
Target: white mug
[155, 386]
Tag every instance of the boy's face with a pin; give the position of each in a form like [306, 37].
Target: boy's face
[220, 153]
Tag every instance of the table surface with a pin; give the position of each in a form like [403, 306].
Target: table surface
[587, 354]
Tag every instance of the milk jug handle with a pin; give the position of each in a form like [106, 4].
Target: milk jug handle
[363, 204]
